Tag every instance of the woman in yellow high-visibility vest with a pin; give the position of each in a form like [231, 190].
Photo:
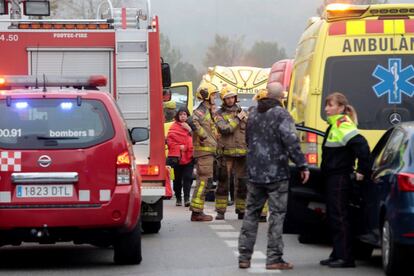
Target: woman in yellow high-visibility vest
[341, 147]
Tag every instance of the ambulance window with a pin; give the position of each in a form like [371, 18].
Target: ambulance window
[359, 78]
[53, 124]
[300, 90]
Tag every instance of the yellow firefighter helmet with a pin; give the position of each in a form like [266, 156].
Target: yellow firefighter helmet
[227, 92]
[262, 94]
[276, 93]
[205, 91]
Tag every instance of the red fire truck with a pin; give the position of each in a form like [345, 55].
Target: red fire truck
[123, 45]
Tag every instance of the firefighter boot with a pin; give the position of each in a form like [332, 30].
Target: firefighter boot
[200, 216]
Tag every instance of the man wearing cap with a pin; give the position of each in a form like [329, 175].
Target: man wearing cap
[271, 138]
[231, 123]
[205, 138]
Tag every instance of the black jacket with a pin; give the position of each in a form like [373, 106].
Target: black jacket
[341, 160]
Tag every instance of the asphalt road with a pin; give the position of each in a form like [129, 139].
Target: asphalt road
[181, 248]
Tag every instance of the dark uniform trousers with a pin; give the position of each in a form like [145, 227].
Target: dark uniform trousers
[339, 189]
[228, 165]
[277, 196]
[204, 167]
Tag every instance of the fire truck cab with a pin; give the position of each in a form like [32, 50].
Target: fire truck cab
[123, 45]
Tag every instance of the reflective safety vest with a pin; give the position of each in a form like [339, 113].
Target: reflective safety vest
[342, 130]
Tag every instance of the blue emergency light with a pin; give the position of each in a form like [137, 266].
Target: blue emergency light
[21, 105]
[66, 105]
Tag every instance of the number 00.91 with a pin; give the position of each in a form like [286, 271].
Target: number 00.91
[10, 132]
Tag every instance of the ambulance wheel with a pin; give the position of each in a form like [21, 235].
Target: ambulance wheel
[127, 247]
[151, 227]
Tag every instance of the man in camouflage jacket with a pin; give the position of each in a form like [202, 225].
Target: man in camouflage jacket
[272, 140]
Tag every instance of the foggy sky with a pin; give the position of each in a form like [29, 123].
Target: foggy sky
[192, 24]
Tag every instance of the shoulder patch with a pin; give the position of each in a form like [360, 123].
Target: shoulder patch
[343, 119]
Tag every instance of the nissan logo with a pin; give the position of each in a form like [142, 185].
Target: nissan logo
[395, 118]
[44, 161]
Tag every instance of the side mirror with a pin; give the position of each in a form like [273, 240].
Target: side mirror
[166, 74]
[139, 134]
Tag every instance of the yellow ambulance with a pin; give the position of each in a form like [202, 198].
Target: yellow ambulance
[364, 52]
[246, 80]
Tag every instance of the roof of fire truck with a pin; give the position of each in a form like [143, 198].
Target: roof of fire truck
[129, 14]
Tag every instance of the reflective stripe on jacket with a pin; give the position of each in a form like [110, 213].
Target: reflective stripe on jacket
[342, 146]
[342, 130]
[232, 130]
[205, 135]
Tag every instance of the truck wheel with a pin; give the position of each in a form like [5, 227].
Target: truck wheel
[127, 247]
[392, 253]
[151, 227]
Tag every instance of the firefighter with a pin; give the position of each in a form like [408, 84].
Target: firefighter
[205, 148]
[231, 122]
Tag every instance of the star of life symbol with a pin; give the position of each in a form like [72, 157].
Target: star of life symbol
[10, 161]
[394, 81]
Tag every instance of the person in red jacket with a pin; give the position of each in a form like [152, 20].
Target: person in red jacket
[180, 155]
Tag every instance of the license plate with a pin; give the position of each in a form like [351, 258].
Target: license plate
[33, 191]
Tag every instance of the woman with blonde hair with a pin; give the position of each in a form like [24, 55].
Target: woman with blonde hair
[341, 147]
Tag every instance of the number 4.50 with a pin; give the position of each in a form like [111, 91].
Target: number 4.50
[9, 38]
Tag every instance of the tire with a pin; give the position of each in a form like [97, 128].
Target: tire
[127, 247]
[392, 253]
[151, 227]
[362, 251]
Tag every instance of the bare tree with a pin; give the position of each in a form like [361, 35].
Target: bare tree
[263, 54]
[224, 51]
[170, 54]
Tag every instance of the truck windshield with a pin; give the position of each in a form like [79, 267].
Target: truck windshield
[379, 87]
[53, 124]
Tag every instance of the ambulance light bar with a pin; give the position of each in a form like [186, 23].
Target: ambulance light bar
[7, 82]
[36, 7]
[342, 11]
[4, 7]
[339, 11]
